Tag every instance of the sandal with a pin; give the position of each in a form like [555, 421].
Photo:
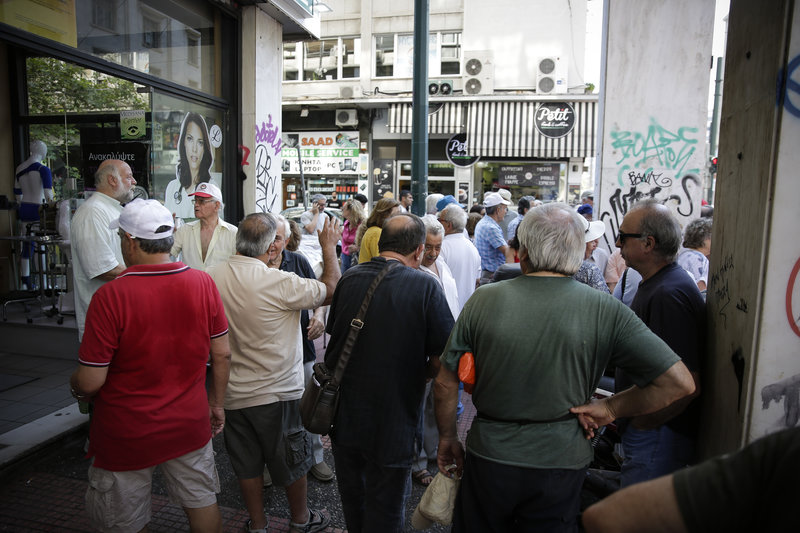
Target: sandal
[422, 477]
[316, 522]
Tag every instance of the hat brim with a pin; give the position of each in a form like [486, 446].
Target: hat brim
[201, 194]
[596, 230]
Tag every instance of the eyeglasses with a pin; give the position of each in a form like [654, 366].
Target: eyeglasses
[202, 201]
[621, 236]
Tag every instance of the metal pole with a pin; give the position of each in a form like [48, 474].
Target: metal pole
[419, 124]
[716, 111]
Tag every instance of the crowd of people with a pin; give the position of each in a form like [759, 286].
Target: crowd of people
[527, 295]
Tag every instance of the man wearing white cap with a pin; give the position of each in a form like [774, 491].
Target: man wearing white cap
[143, 364]
[209, 240]
[489, 239]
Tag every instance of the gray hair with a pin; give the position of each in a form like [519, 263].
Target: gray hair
[432, 225]
[553, 236]
[696, 233]
[256, 234]
[455, 216]
[158, 246]
[431, 201]
[658, 222]
[287, 228]
[317, 197]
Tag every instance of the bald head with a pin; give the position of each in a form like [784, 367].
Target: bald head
[402, 234]
[114, 178]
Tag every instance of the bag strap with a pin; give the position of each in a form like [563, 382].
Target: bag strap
[624, 279]
[358, 323]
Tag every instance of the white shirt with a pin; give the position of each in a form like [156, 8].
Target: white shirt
[448, 284]
[307, 217]
[600, 258]
[464, 261]
[95, 249]
[221, 247]
[263, 308]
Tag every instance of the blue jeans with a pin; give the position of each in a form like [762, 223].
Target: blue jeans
[373, 496]
[651, 453]
[347, 262]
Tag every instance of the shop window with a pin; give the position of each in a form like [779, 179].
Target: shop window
[104, 14]
[394, 54]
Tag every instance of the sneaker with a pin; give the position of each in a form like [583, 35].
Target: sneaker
[248, 529]
[267, 478]
[322, 471]
[317, 521]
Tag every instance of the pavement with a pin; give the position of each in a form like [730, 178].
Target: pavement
[42, 435]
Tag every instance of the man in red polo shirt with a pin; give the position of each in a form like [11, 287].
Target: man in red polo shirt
[143, 364]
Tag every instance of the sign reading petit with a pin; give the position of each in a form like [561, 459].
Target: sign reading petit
[458, 153]
[554, 119]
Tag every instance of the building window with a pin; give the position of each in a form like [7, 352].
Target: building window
[151, 33]
[394, 54]
[193, 48]
[329, 59]
[104, 14]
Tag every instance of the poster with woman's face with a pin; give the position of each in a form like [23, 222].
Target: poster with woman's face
[195, 160]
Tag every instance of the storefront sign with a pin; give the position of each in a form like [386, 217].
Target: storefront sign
[132, 124]
[322, 152]
[457, 152]
[530, 175]
[554, 119]
[134, 154]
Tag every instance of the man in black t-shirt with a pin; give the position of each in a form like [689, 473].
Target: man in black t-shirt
[670, 304]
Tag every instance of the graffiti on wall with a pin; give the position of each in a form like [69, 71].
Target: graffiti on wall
[786, 391]
[653, 163]
[789, 88]
[268, 149]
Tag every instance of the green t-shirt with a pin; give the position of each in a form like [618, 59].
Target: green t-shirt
[541, 345]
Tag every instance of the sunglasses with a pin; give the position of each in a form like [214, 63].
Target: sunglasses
[621, 236]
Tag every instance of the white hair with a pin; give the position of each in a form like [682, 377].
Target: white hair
[455, 216]
[553, 237]
[432, 225]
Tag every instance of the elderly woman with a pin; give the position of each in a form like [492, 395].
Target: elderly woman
[353, 213]
[368, 242]
[589, 273]
[697, 247]
[193, 168]
[209, 240]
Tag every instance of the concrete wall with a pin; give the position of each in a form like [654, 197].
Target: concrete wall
[261, 110]
[754, 300]
[653, 107]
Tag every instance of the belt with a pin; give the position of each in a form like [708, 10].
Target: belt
[523, 421]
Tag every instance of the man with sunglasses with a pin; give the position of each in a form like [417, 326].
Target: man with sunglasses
[670, 304]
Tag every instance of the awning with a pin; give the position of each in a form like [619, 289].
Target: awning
[508, 129]
[447, 119]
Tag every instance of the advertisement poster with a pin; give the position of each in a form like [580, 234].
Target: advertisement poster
[136, 154]
[322, 152]
[530, 175]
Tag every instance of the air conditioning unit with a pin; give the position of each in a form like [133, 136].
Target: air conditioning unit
[440, 87]
[346, 117]
[350, 91]
[551, 75]
[478, 72]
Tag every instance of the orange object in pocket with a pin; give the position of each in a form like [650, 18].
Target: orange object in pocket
[466, 371]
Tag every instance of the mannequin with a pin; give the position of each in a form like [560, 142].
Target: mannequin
[33, 186]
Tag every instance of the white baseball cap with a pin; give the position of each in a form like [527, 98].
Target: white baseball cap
[141, 218]
[491, 199]
[208, 190]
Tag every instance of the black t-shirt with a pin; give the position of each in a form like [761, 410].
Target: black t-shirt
[755, 489]
[294, 262]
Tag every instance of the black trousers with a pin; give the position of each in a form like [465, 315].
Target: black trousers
[494, 497]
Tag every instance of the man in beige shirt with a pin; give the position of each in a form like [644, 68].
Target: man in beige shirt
[209, 240]
[262, 402]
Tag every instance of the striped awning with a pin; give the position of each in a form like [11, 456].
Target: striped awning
[508, 129]
[446, 119]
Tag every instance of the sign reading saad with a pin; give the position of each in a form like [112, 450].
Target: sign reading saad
[322, 152]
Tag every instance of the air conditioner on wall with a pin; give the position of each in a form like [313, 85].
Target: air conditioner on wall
[346, 117]
[350, 91]
[478, 72]
[551, 75]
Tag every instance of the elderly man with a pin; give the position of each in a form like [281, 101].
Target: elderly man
[524, 205]
[96, 253]
[459, 253]
[146, 373]
[379, 409]
[209, 240]
[311, 327]
[526, 453]
[312, 220]
[262, 404]
[671, 305]
[489, 239]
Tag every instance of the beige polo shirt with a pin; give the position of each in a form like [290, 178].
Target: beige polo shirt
[263, 308]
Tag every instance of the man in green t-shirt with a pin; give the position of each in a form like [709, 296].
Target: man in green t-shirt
[526, 451]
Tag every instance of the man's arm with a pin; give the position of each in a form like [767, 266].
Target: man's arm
[316, 324]
[650, 506]
[508, 252]
[111, 274]
[445, 397]
[311, 227]
[662, 416]
[87, 381]
[675, 383]
[220, 370]
[330, 264]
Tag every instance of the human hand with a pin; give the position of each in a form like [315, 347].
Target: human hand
[217, 416]
[451, 452]
[593, 415]
[353, 249]
[315, 328]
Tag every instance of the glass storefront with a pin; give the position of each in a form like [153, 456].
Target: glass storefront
[547, 181]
